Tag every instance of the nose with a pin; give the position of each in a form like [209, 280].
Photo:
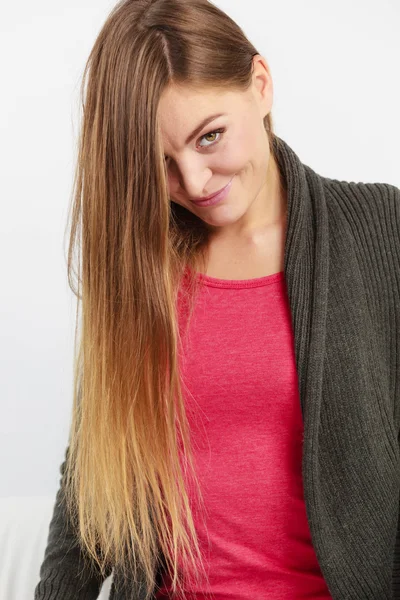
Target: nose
[191, 180]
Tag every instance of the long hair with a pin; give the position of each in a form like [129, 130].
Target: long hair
[129, 458]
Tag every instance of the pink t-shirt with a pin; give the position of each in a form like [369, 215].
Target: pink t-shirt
[243, 406]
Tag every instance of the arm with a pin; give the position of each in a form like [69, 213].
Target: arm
[63, 574]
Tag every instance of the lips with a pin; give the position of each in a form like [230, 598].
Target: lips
[202, 200]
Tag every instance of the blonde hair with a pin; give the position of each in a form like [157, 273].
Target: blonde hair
[129, 443]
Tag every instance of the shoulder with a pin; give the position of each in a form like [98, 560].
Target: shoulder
[375, 205]
[364, 218]
[375, 198]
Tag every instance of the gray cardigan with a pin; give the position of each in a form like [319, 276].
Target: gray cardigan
[342, 272]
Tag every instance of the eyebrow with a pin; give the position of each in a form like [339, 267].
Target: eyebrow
[202, 125]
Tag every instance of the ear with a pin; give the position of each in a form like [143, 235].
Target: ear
[263, 88]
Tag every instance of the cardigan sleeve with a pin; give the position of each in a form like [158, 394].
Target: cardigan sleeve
[394, 204]
[63, 573]
[396, 559]
[396, 564]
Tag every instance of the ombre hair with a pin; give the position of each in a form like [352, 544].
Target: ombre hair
[129, 455]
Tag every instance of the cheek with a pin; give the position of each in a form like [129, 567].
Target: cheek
[241, 149]
[233, 159]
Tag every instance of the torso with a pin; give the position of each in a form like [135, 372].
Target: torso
[264, 255]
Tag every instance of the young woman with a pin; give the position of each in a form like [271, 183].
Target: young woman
[236, 413]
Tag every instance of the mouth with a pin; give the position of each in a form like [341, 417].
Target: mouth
[213, 198]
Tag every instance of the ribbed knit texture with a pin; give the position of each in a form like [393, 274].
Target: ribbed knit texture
[61, 584]
[62, 573]
[342, 272]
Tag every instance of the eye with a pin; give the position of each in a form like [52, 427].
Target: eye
[219, 131]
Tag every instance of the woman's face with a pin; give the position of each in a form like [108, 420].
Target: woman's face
[232, 146]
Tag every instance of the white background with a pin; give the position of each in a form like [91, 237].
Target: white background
[335, 67]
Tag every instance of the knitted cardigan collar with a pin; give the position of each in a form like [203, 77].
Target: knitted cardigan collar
[342, 272]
